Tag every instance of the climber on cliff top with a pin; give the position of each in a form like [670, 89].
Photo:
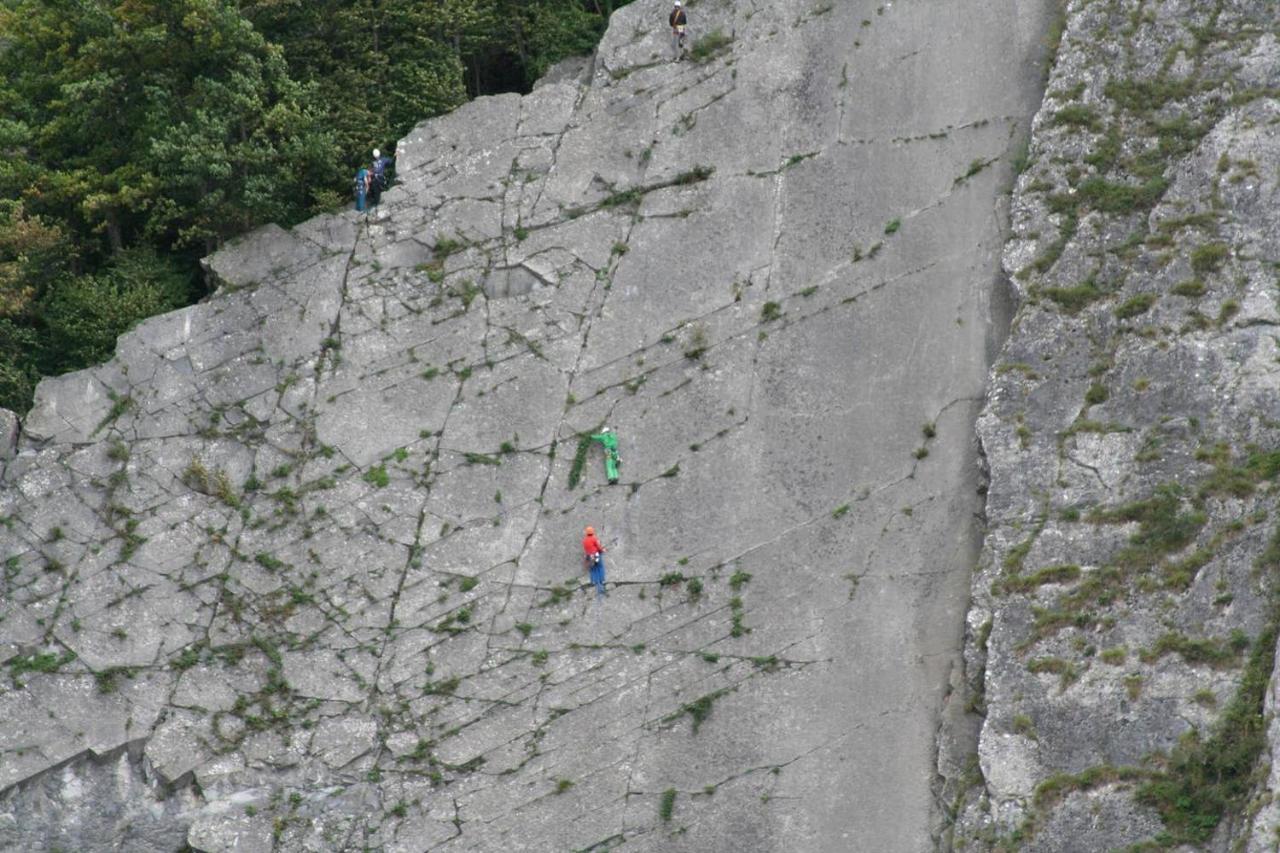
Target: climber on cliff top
[361, 187]
[678, 22]
[593, 557]
[378, 180]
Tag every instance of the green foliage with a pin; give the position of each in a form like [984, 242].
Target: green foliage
[86, 314]
[1207, 779]
[18, 371]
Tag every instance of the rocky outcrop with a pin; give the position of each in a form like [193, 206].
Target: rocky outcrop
[1125, 607]
[298, 568]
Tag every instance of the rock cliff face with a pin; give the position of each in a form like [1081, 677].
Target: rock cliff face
[1125, 609]
[298, 569]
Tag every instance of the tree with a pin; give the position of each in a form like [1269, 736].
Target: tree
[171, 120]
[377, 66]
[85, 314]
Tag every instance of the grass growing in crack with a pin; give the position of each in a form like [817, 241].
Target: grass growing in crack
[892, 226]
[1074, 299]
[42, 662]
[120, 403]
[579, 460]
[1050, 574]
[1068, 673]
[697, 346]
[105, 679]
[446, 246]
[770, 311]
[1133, 306]
[709, 46]
[1213, 652]
[667, 805]
[699, 710]
[1192, 288]
[736, 627]
[1078, 115]
[377, 476]
[623, 198]
[1208, 258]
[216, 484]
[268, 561]
[563, 785]
[694, 175]
[556, 595]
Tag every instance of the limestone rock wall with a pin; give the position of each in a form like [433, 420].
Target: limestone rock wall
[298, 569]
[1125, 600]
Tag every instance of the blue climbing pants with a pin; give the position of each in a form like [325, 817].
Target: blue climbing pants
[597, 575]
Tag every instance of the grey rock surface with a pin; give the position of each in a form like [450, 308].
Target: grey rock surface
[1125, 598]
[312, 545]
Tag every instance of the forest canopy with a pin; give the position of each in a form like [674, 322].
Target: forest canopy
[138, 135]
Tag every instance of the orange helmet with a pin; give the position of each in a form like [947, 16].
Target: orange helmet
[590, 531]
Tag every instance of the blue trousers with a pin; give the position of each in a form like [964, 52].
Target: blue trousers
[597, 575]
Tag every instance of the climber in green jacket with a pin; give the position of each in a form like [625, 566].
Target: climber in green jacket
[609, 441]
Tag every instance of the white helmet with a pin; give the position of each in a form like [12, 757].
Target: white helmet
[377, 153]
[677, 3]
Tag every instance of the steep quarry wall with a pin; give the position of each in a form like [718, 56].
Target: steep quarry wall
[298, 569]
[1125, 608]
